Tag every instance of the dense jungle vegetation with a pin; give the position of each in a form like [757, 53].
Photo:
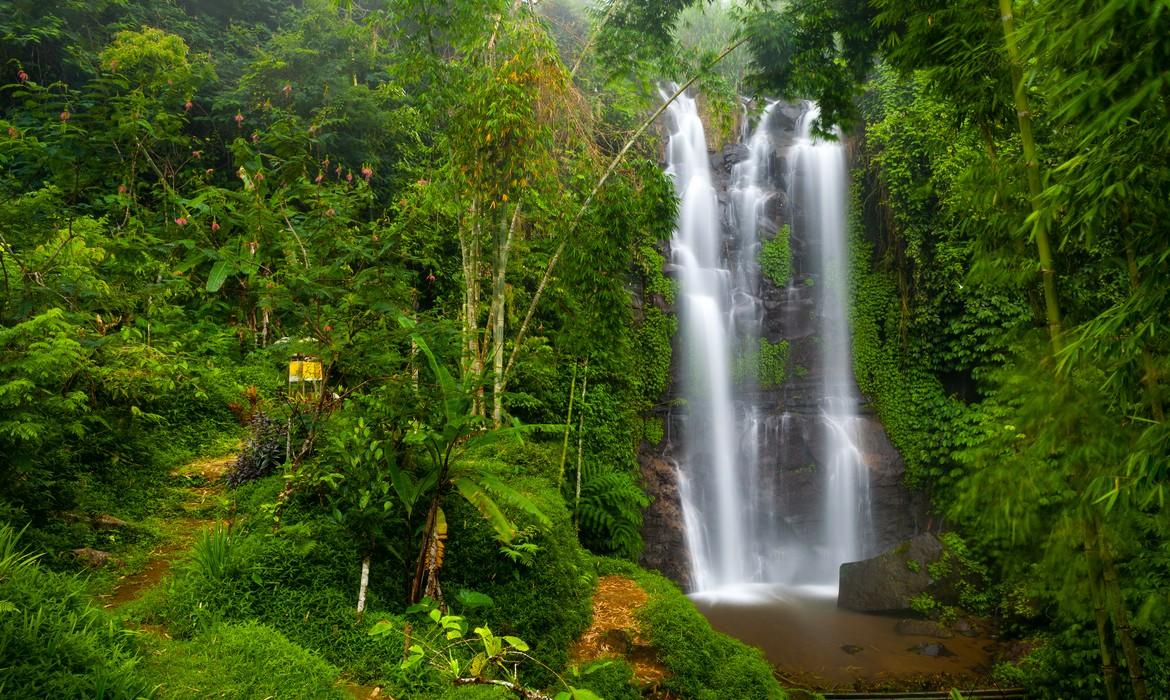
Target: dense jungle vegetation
[457, 207]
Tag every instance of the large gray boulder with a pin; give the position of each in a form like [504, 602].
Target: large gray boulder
[888, 582]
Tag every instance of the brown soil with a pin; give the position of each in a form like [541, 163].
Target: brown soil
[616, 633]
[132, 586]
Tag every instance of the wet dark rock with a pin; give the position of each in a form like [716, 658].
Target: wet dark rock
[888, 582]
[663, 528]
[932, 649]
[734, 153]
[95, 558]
[108, 522]
[965, 628]
[923, 628]
[852, 649]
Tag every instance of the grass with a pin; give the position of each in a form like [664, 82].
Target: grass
[247, 660]
[703, 664]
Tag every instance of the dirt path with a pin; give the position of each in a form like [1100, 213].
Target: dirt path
[206, 476]
[615, 631]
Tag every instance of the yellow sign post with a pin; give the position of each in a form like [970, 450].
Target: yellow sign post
[306, 376]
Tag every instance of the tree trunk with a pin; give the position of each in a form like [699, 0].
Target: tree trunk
[580, 446]
[1116, 603]
[416, 584]
[1150, 376]
[503, 249]
[1032, 167]
[568, 427]
[1100, 612]
[363, 586]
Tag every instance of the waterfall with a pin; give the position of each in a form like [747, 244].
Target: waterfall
[711, 484]
[732, 489]
[819, 187]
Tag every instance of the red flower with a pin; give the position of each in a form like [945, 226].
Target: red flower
[255, 137]
[430, 277]
[13, 133]
[367, 172]
[182, 221]
[188, 105]
[349, 177]
[319, 178]
[328, 328]
[122, 189]
[22, 76]
[259, 177]
[214, 225]
[65, 116]
[239, 120]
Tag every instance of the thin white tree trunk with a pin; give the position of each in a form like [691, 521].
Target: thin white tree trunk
[364, 586]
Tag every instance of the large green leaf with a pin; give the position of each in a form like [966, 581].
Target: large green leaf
[219, 274]
[477, 496]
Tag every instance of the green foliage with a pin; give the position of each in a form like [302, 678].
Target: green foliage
[610, 513]
[544, 598]
[776, 258]
[248, 660]
[702, 663]
[55, 643]
[765, 365]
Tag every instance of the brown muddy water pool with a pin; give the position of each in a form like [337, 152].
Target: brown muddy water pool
[813, 644]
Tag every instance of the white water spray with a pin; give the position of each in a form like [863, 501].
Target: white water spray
[820, 185]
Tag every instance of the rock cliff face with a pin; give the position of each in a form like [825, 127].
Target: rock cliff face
[791, 428]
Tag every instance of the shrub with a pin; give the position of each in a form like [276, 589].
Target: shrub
[545, 598]
[263, 453]
[53, 644]
[248, 660]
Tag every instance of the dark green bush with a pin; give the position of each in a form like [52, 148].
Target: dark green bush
[247, 660]
[544, 600]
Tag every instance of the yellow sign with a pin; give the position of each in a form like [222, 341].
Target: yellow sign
[311, 370]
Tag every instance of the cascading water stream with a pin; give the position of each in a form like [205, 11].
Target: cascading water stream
[710, 481]
[819, 185]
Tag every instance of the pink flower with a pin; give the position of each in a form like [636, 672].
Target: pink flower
[65, 116]
[122, 189]
[338, 171]
[319, 178]
[349, 177]
[188, 105]
[239, 120]
[328, 327]
[214, 225]
[430, 277]
[182, 221]
[259, 177]
[22, 76]
[287, 90]
[196, 154]
[255, 137]
[367, 172]
[13, 133]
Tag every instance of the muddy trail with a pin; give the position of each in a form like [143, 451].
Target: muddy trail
[200, 500]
